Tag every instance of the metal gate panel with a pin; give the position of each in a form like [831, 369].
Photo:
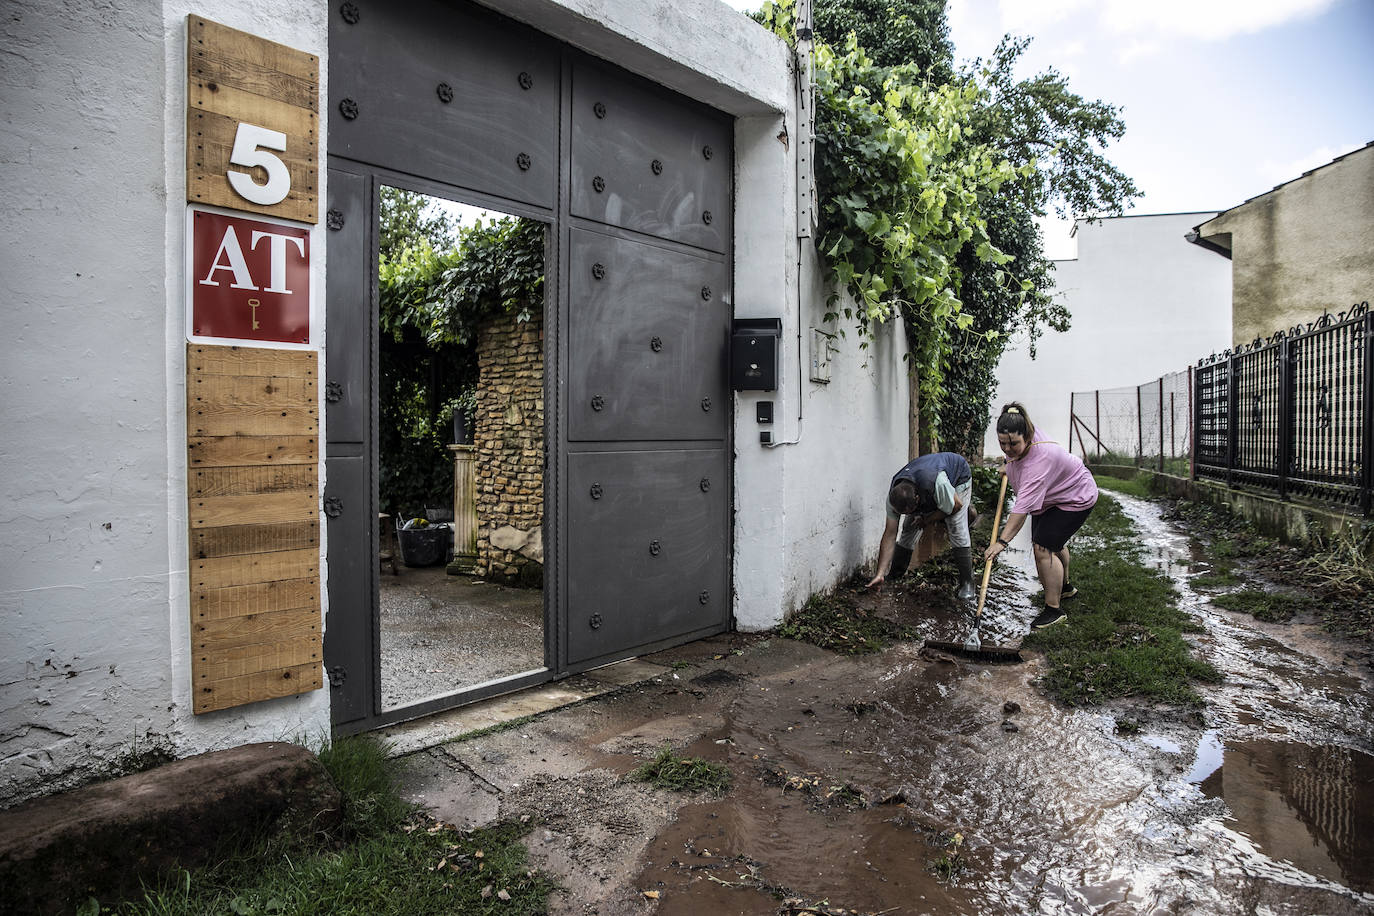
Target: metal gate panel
[648, 548]
[347, 388]
[648, 160]
[647, 335]
[350, 657]
[350, 512]
[448, 93]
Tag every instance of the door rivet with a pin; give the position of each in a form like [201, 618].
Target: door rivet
[599, 109]
[598, 270]
[706, 293]
[598, 184]
[334, 219]
[655, 548]
[704, 597]
[445, 92]
[598, 403]
[656, 344]
[594, 621]
[333, 506]
[706, 404]
[707, 152]
[350, 13]
[656, 167]
[523, 161]
[706, 217]
[705, 484]
[596, 491]
[333, 392]
[526, 81]
[348, 108]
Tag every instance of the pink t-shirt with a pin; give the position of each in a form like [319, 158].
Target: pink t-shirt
[1047, 477]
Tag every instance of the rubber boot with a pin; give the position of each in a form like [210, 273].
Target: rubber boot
[963, 559]
[901, 559]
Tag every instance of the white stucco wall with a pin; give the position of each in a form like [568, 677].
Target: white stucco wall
[94, 618]
[1144, 303]
[94, 641]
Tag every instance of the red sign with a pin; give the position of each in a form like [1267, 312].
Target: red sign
[250, 280]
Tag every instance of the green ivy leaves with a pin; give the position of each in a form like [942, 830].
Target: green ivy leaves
[901, 194]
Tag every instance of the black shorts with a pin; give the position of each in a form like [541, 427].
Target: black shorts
[1052, 528]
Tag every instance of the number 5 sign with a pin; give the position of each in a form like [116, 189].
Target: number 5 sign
[252, 109]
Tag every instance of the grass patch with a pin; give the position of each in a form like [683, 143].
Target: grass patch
[1271, 607]
[1124, 635]
[1336, 569]
[683, 774]
[1138, 486]
[392, 861]
[950, 864]
[1220, 577]
[835, 622]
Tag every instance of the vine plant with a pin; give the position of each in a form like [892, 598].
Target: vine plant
[901, 194]
[431, 304]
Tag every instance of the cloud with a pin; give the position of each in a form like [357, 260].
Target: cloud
[1206, 20]
[1137, 49]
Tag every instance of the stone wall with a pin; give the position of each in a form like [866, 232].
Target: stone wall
[509, 435]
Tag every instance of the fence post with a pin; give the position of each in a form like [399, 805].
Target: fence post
[1097, 421]
[1231, 436]
[1139, 430]
[1192, 430]
[1287, 428]
[1367, 458]
[1071, 414]
[1161, 424]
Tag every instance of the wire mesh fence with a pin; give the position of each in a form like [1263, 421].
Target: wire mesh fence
[1146, 425]
[1292, 414]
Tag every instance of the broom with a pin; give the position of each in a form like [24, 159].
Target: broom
[972, 647]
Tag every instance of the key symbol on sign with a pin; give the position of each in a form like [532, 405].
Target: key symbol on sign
[253, 304]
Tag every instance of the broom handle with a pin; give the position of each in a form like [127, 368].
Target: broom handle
[987, 567]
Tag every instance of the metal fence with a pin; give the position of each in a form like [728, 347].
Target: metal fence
[1145, 425]
[1292, 413]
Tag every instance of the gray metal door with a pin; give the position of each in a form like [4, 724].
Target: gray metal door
[634, 182]
[647, 409]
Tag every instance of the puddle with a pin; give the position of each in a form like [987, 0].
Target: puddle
[1270, 809]
[1312, 807]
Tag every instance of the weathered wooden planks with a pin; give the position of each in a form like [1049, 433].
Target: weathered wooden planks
[253, 502]
[235, 78]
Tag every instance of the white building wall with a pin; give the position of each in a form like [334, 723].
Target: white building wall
[94, 618]
[1144, 302]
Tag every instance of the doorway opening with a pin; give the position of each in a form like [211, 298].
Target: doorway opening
[460, 447]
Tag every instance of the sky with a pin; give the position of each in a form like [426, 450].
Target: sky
[1222, 99]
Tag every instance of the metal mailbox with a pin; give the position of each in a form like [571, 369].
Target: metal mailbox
[754, 354]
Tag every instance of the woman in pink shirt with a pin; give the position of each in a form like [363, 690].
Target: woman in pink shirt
[1054, 488]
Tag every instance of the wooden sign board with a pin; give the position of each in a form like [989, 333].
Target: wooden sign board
[252, 467]
[252, 139]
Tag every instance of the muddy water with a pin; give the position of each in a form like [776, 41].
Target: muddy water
[1267, 807]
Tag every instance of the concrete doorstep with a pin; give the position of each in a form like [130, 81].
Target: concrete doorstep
[106, 839]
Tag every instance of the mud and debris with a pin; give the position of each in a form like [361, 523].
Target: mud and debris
[906, 782]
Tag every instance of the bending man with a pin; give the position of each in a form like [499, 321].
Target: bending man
[930, 488]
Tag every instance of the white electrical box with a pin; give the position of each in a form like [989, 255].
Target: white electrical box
[820, 356]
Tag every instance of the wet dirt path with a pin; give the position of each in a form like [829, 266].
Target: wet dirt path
[1267, 805]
